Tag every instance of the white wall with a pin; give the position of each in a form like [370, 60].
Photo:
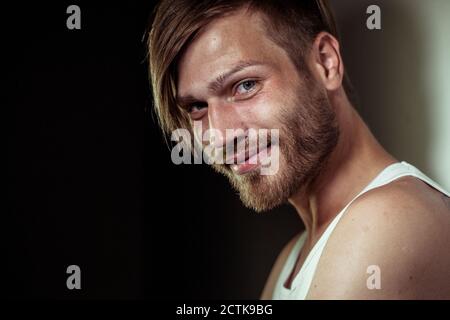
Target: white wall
[402, 76]
[436, 21]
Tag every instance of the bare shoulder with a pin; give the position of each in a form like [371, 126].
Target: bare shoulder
[277, 267]
[399, 233]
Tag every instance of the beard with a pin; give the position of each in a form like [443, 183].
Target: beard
[308, 133]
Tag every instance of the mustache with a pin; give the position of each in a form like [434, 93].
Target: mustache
[240, 149]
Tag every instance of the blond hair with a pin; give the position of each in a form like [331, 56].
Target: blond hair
[290, 24]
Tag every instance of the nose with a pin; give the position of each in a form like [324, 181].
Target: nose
[221, 116]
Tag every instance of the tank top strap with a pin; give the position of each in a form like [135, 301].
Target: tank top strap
[394, 171]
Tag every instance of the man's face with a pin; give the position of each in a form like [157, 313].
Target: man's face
[232, 76]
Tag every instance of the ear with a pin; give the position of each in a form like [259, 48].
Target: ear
[327, 61]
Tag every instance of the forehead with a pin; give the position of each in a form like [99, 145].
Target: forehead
[221, 45]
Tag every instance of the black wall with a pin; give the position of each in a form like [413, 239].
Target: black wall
[90, 181]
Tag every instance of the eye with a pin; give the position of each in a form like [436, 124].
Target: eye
[195, 107]
[245, 86]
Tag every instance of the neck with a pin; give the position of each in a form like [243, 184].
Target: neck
[357, 159]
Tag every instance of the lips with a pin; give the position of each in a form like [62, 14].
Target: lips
[241, 157]
[244, 156]
[250, 163]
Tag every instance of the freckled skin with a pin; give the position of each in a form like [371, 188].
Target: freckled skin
[281, 98]
[221, 51]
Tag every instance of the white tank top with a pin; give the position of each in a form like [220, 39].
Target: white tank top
[302, 281]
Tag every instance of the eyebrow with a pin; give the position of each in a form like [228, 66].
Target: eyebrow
[218, 83]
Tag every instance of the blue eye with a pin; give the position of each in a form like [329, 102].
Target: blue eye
[245, 86]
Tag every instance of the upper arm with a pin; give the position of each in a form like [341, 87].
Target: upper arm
[276, 269]
[388, 238]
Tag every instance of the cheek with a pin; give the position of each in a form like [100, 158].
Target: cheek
[198, 128]
[264, 110]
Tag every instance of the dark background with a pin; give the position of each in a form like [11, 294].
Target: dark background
[90, 181]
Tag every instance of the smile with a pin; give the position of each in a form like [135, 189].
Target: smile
[250, 163]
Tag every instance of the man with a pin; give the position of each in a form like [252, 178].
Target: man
[376, 228]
